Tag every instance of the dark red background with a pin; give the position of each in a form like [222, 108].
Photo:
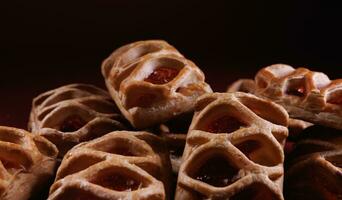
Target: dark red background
[45, 44]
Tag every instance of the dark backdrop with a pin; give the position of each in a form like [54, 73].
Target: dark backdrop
[45, 44]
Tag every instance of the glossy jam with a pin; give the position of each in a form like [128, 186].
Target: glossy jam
[296, 88]
[249, 146]
[217, 171]
[162, 75]
[72, 123]
[118, 182]
[10, 165]
[224, 124]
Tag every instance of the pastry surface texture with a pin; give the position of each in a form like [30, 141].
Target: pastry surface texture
[74, 113]
[118, 165]
[296, 126]
[234, 149]
[27, 163]
[305, 94]
[151, 82]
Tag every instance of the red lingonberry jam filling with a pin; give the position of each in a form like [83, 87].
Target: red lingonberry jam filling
[162, 75]
[224, 124]
[248, 147]
[296, 87]
[118, 182]
[72, 123]
[10, 165]
[296, 91]
[217, 171]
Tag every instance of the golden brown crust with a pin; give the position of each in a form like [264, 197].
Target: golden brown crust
[242, 85]
[248, 85]
[74, 113]
[27, 162]
[247, 134]
[145, 95]
[119, 165]
[305, 94]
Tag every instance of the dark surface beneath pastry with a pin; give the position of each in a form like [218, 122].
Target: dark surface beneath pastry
[314, 181]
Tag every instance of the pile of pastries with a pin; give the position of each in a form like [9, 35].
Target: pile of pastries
[160, 132]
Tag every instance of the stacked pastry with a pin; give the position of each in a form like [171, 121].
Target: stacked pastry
[313, 165]
[151, 82]
[234, 149]
[27, 162]
[72, 114]
[305, 94]
[119, 165]
[233, 142]
[295, 126]
[153, 85]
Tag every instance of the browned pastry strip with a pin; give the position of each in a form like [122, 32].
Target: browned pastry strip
[74, 113]
[315, 166]
[234, 149]
[27, 162]
[248, 85]
[151, 82]
[305, 94]
[119, 165]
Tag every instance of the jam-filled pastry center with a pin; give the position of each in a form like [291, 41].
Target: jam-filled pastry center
[10, 164]
[296, 88]
[72, 123]
[248, 147]
[162, 75]
[225, 124]
[217, 171]
[118, 182]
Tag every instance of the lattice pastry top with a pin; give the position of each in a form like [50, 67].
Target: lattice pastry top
[74, 113]
[27, 161]
[295, 126]
[305, 94]
[118, 165]
[234, 149]
[152, 82]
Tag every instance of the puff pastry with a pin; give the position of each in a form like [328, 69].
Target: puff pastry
[119, 165]
[74, 113]
[305, 94]
[315, 166]
[295, 126]
[151, 82]
[27, 162]
[234, 149]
